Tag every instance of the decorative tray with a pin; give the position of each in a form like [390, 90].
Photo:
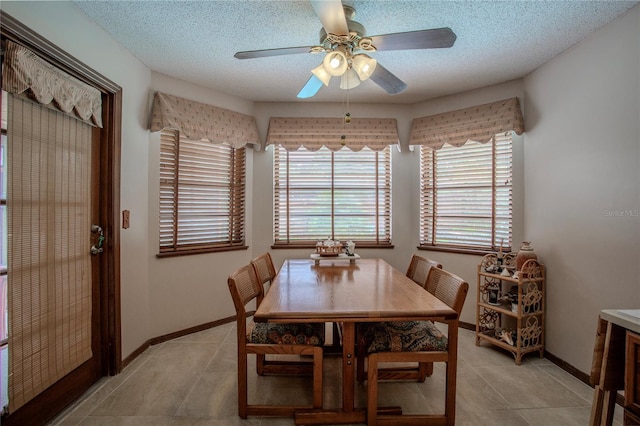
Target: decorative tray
[316, 257]
[329, 249]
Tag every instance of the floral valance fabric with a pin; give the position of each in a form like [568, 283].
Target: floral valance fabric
[478, 123]
[314, 133]
[24, 72]
[201, 121]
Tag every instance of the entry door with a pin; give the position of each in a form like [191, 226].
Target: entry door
[53, 279]
[103, 270]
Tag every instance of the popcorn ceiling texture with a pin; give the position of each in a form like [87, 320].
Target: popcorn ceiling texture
[497, 41]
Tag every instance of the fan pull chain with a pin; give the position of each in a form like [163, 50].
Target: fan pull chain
[346, 120]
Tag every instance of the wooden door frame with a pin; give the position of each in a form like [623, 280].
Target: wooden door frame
[110, 347]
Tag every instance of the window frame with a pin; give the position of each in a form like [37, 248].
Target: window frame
[497, 175]
[382, 186]
[170, 194]
[4, 337]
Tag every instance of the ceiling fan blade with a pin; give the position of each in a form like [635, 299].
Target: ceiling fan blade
[421, 39]
[389, 82]
[250, 54]
[310, 88]
[331, 15]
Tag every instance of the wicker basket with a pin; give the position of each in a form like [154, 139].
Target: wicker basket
[327, 250]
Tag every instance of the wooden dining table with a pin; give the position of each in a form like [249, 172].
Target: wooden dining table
[340, 291]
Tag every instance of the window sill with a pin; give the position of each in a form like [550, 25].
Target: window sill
[187, 252]
[462, 250]
[313, 246]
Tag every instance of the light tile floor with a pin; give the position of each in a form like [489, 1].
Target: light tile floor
[192, 381]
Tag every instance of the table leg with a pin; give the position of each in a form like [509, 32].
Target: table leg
[348, 366]
[607, 373]
[348, 414]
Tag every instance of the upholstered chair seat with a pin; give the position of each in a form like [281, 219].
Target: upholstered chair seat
[404, 336]
[288, 334]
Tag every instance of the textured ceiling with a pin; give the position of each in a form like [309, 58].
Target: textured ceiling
[497, 41]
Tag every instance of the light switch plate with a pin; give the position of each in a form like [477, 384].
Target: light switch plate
[125, 219]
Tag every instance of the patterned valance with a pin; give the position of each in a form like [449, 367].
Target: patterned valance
[201, 121]
[24, 72]
[314, 133]
[478, 123]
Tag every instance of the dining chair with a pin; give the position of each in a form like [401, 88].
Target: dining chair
[265, 270]
[270, 338]
[418, 271]
[418, 341]
[419, 268]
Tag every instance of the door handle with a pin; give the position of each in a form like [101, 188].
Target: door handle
[97, 248]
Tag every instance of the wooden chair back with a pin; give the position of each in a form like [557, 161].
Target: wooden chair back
[449, 288]
[265, 270]
[419, 268]
[244, 287]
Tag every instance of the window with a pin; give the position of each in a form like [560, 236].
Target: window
[343, 195]
[465, 196]
[202, 195]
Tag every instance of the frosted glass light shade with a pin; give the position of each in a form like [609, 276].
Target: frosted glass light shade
[322, 74]
[364, 65]
[349, 80]
[335, 63]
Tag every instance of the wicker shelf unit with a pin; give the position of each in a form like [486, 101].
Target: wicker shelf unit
[514, 320]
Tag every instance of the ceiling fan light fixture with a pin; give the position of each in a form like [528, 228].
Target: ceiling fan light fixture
[322, 74]
[335, 63]
[364, 65]
[366, 43]
[349, 80]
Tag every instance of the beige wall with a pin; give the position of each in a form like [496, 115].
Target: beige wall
[578, 159]
[582, 155]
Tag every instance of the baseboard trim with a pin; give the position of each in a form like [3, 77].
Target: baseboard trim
[170, 336]
[135, 354]
[580, 375]
[467, 326]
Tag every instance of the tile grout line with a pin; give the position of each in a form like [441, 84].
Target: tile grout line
[588, 403]
[108, 379]
[200, 375]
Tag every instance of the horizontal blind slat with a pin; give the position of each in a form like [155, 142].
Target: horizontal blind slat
[463, 200]
[201, 194]
[342, 194]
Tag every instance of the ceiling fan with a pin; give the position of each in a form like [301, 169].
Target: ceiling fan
[346, 45]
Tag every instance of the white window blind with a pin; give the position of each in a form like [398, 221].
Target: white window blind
[466, 195]
[344, 195]
[202, 195]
